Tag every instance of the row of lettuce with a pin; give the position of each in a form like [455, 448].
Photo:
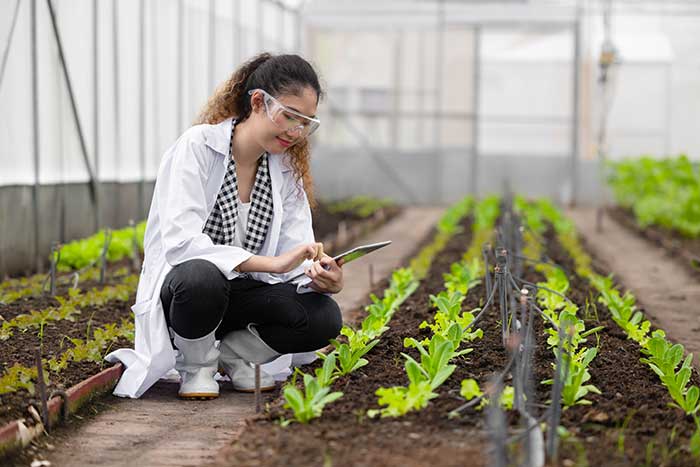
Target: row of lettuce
[451, 329]
[662, 192]
[308, 402]
[666, 359]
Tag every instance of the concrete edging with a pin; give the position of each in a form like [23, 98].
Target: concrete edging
[16, 434]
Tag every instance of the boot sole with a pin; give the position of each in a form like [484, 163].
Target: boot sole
[198, 396]
[251, 391]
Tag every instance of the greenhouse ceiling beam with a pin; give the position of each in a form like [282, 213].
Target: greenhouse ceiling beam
[74, 108]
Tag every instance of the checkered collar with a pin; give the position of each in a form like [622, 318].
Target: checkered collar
[221, 224]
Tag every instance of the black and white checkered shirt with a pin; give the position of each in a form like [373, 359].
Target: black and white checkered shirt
[221, 224]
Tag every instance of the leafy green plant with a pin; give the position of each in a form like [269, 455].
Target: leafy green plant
[308, 404]
[400, 400]
[69, 307]
[663, 192]
[469, 389]
[91, 350]
[463, 276]
[434, 360]
[328, 371]
[449, 307]
[694, 444]
[574, 389]
[663, 358]
[80, 253]
[19, 377]
[349, 357]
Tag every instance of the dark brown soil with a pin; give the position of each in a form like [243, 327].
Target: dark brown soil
[21, 346]
[630, 391]
[685, 250]
[345, 436]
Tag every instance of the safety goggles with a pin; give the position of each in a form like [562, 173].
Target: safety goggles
[287, 119]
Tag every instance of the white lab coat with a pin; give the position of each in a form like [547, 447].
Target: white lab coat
[188, 182]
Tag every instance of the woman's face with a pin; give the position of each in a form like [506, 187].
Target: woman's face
[271, 135]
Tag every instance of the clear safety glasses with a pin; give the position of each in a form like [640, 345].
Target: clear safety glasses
[287, 119]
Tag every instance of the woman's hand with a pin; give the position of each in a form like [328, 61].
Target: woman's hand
[294, 257]
[327, 275]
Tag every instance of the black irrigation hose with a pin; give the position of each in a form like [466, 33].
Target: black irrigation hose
[498, 379]
[483, 310]
[539, 287]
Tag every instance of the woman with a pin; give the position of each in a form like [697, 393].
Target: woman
[229, 223]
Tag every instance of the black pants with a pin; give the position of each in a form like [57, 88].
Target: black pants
[196, 297]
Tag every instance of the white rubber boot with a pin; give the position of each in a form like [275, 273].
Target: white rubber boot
[196, 361]
[239, 349]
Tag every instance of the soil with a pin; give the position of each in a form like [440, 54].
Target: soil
[21, 346]
[632, 397]
[685, 250]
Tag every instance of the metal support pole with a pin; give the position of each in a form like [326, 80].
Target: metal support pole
[476, 102]
[142, 109]
[96, 105]
[74, 108]
[575, 112]
[35, 132]
[117, 100]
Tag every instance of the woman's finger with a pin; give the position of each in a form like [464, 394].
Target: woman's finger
[318, 268]
[329, 263]
[319, 251]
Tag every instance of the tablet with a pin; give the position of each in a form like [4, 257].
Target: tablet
[352, 255]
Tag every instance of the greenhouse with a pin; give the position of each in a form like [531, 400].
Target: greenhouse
[333, 233]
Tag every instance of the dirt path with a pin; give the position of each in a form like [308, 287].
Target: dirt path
[667, 294]
[159, 430]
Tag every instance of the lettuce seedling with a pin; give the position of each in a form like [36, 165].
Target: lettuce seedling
[434, 361]
[349, 358]
[400, 400]
[309, 404]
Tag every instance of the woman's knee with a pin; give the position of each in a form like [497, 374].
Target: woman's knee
[332, 319]
[197, 277]
[194, 297]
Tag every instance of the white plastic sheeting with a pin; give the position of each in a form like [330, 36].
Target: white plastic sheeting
[237, 36]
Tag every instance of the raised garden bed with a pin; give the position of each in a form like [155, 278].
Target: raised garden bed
[629, 423]
[76, 327]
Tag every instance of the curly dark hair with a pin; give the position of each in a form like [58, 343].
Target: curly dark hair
[276, 74]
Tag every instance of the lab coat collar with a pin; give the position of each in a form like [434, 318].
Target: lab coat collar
[218, 138]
